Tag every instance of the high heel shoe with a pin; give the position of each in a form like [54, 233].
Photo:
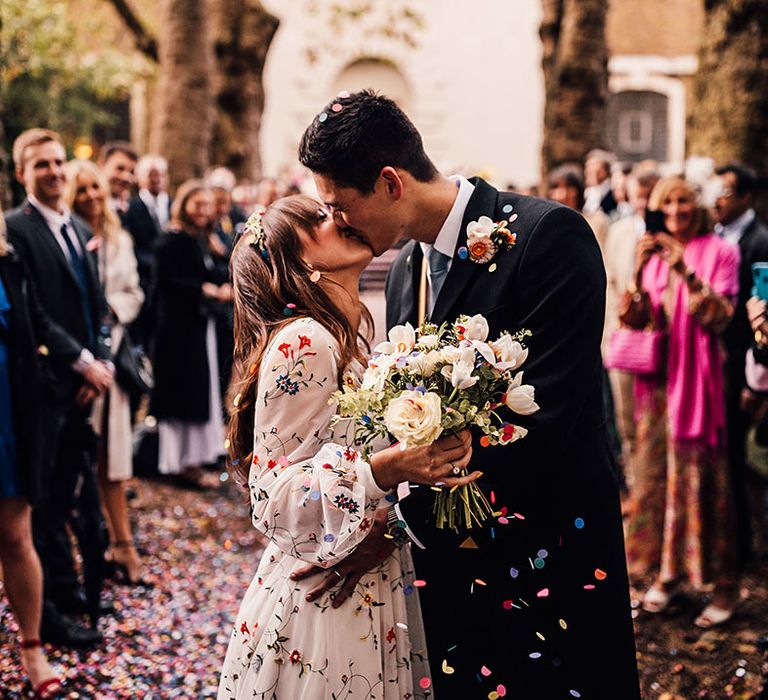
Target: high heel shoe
[50, 688]
[120, 573]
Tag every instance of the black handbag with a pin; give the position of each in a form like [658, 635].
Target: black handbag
[133, 370]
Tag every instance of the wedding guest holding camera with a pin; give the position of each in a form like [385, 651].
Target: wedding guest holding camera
[186, 399]
[681, 523]
[87, 195]
[24, 466]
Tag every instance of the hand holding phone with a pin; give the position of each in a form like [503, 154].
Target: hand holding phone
[760, 280]
[654, 221]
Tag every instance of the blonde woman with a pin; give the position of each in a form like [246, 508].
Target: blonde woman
[88, 196]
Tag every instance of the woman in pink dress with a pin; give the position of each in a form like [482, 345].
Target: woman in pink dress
[681, 521]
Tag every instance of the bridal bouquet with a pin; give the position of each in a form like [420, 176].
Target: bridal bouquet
[425, 382]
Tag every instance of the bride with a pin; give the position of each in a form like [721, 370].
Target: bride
[313, 495]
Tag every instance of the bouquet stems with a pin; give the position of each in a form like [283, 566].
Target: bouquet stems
[461, 507]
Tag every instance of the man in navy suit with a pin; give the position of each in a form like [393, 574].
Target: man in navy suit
[54, 247]
[538, 602]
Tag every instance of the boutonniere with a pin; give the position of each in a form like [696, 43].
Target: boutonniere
[486, 238]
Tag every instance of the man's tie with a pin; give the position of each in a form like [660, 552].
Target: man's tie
[78, 267]
[438, 271]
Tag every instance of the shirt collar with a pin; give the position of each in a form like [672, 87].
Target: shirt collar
[54, 219]
[448, 236]
[737, 227]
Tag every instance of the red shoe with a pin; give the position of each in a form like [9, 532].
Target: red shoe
[50, 688]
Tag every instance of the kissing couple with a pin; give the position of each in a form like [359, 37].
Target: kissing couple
[358, 594]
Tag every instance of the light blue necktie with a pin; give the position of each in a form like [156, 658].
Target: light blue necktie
[438, 271]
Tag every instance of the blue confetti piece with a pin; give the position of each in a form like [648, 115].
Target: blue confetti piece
[579, 523]
[322, 117]
[493, 533]
[507, 208]
[513, 572]
[328, 538]
[408, 589]
[538, 562]
[542, 554]
[366, 419]
[534, 655]
[391, 498]
[315, 495]
[463, 253]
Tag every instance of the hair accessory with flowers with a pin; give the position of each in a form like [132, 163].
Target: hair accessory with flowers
[254, 229]
[485, 238]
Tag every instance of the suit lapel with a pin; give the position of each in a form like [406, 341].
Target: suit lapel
[482, 202]
[48, 239]
[409, 293]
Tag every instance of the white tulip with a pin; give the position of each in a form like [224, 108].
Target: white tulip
[475, 328]
[508, 353]
[520, 397]
[402, 340]
[460, 373]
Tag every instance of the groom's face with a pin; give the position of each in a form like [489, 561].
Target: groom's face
[373, 217]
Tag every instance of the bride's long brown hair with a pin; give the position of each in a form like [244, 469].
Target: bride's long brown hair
[263, 288]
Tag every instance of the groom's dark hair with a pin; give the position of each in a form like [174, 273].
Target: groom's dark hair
[357, 135]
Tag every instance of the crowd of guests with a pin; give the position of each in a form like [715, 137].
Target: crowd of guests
[685, 354]
[114, 304]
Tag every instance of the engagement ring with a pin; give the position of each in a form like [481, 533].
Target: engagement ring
[455, 469]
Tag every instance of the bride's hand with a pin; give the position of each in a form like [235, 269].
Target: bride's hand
[438, 463]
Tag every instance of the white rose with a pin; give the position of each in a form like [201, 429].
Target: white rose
[402, 340]
[450, 354]
[482, 228]
[509, 354]
[519, 397]
[475, 328]
[428, 342]
[424, 363]
[414, 418]
[460, 373]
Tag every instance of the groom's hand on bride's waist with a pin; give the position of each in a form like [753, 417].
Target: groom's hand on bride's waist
[373, 550]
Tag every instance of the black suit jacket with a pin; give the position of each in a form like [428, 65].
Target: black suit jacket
[33, 342]
[484, 605]
[57, 288]
[738, 336]
[145, 230]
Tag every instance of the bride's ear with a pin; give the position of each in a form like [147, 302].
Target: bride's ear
[392, 182]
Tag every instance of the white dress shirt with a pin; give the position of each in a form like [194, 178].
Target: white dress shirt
[55, 220]
[735, 230]
[157, 205]
[448, 236]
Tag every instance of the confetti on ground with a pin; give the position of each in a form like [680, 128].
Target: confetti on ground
[168, 641]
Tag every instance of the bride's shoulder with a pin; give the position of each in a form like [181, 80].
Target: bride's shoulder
[304, 333]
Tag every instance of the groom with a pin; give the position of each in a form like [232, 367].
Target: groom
[535, 605]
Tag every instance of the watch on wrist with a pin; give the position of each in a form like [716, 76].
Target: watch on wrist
[396, 529]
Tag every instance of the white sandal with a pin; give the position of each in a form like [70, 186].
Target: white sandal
[714, 615]
[656, 599]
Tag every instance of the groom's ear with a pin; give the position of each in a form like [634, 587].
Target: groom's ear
[392, 181]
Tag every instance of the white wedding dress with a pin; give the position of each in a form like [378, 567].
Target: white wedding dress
[314, 497]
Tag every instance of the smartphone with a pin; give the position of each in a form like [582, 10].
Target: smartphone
[654, 221]
[760, 280]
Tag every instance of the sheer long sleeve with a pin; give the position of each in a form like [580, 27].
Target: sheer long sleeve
[312, 493]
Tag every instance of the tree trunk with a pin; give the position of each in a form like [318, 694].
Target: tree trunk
[242, 35]
[575, 64]
[729, 115]
[183, 112]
